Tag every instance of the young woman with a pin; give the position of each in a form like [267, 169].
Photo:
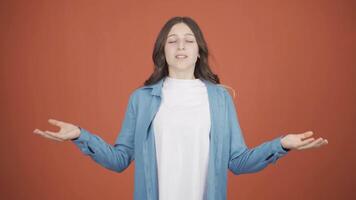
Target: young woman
[181, 127]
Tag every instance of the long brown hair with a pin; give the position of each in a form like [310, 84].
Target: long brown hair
[202, 69]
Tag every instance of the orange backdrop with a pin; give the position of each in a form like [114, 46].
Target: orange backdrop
[292, 64]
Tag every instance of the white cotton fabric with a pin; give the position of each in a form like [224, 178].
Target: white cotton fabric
[181, 130]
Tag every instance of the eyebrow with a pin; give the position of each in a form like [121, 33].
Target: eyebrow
[176, 34]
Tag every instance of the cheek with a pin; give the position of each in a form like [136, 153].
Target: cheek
[169, 55]
[195, 50]
[168, 51]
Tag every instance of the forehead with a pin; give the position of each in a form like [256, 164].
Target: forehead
[180, 29]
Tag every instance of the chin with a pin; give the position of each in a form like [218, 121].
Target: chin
[182, 67]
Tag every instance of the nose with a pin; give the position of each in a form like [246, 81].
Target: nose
[181, 44]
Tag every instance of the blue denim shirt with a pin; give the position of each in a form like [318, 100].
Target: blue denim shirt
[136, 142]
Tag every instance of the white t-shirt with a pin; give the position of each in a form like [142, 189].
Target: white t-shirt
[181, 129]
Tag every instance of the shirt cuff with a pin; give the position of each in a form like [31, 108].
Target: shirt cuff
[277, 146]
[83, 137]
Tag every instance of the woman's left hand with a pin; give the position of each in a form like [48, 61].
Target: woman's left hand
[300, 141]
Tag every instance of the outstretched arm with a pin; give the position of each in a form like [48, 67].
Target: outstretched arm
[115, 157]
[245, 160]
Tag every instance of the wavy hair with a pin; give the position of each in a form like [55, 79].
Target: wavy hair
[202, 69]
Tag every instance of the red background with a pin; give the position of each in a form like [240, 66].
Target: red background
[292, 64]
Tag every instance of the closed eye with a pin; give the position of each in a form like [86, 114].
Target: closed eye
[186, 41]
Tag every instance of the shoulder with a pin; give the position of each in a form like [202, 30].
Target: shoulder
[141, 94]
[228, 94]
[223, 94]
[141, 91]
[226, 90]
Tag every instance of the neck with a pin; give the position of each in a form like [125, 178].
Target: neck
[181, 74]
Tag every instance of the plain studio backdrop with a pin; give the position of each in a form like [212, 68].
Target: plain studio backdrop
[292, 64]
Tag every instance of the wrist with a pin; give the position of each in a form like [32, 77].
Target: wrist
[78, 133]
[283, 147]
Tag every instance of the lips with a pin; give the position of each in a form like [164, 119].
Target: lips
[181, 56]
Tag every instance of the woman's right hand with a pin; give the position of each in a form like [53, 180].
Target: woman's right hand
[67, 131]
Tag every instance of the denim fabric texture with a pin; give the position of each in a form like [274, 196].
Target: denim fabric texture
[135, 141]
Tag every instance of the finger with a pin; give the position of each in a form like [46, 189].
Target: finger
[319, 143]
[306, 134]
[307, 141]
[55, 135]
[39, 132]
[312, 144]
[56, 122]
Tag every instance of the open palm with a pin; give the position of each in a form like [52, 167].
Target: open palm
[67, 131]
[301, 141]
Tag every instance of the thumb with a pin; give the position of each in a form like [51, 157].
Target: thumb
[55, 122]
[306, 134]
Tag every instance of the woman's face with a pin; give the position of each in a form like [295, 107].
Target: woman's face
[181, 49]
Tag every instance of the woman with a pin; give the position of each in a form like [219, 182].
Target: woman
[181, 127]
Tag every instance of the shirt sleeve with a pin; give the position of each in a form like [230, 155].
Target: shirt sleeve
[115, 157]
[249, 160]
